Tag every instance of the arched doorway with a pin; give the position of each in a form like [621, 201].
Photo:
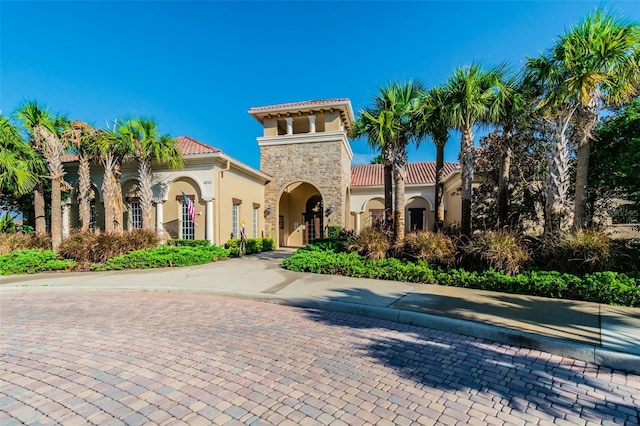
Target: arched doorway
[300, 214]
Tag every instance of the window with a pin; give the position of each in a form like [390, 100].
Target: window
[188, 228]
[135, 215]
[234, 220]
[255, 222]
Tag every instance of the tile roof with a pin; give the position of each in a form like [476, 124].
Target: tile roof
[314, 103]
[189, 146]
[186, 145]
[418, 172]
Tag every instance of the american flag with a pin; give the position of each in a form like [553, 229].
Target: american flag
[190, 207]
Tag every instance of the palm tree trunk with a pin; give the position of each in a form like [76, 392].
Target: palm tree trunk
[146, 195]
[587, 118]
[388, 187]
[118, 205]
[84, 188]
[467, 157]
[108, 195]
[399, 177]
[38, 209]
[439, 207]
[503, 179]
[56, 214]
[557, 184]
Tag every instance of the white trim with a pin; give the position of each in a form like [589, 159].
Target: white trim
[300, 138]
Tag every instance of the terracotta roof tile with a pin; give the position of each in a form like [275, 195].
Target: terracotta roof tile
[298, 104]
[186, 145]
[418, 172]
[189, 146]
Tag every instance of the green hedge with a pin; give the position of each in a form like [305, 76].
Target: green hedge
[253, 245]
[188, 243]
[33, 261]
[165, 256]
[601, 287]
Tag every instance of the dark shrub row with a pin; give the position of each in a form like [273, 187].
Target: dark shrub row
[253, 245]
[601, 287]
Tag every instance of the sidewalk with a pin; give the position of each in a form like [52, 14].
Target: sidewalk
[601, 334]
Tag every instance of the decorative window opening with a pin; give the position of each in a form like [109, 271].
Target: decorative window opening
[135, 215]
[188, 227]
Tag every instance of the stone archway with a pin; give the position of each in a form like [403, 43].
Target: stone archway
[300, 214]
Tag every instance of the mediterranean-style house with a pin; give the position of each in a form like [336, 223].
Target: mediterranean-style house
[305, 183]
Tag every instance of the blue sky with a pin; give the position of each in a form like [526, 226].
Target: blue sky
[197, 67]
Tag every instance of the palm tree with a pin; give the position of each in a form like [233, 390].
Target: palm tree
[547, 79]
[472, 97]
[82, 137]
[148, 145]
[515, 109]
[45, 129]
[601, 56]
[19, 163]
[111, 150]
[375, 126]
[433, 117]
[399, 101]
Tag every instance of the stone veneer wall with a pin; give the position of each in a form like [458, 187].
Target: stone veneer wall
[325, 164]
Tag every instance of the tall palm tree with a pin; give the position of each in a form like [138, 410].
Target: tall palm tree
[601, 55]
[375, 126]
[82, 137]
[111, 149]
[472, 97]
[433, 117]
[399, 101]
[515, 109]
[45, 129]
[547, 79]
[147, 145]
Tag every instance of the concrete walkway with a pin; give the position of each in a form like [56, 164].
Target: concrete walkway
[590, 332]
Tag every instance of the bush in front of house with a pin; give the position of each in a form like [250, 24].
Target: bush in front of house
[87, 248]
[600, 287]
[187, 243]
[15, 241]
[501, 250]
[433, 247]
[252, 245]
[371, 242]
[32, 261]
[165, 256]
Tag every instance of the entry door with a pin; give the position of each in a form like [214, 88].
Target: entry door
[416, 219]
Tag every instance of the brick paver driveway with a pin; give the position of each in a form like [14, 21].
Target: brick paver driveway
[136, 358]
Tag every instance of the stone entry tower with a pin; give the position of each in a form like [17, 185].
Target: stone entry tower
[305, 149]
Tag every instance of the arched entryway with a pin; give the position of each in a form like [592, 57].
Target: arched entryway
[301, 215]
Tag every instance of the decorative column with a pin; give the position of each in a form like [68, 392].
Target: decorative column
[65, 221]
[358, 214]
[159, 219]
[289, 125]
[312, 123]
[208, 228]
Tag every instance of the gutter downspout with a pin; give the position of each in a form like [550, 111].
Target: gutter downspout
[218, 207]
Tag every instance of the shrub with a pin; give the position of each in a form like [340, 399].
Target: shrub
[371, 243]
[165, 256]
[11, 242]
[434, 248]
[626, 255]
[600, 287]
[326, 244]
[253, 245]
[578, 252]
[333, 231]
[87, 248]
[32, 261]
[188, 243]
[501, 250]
